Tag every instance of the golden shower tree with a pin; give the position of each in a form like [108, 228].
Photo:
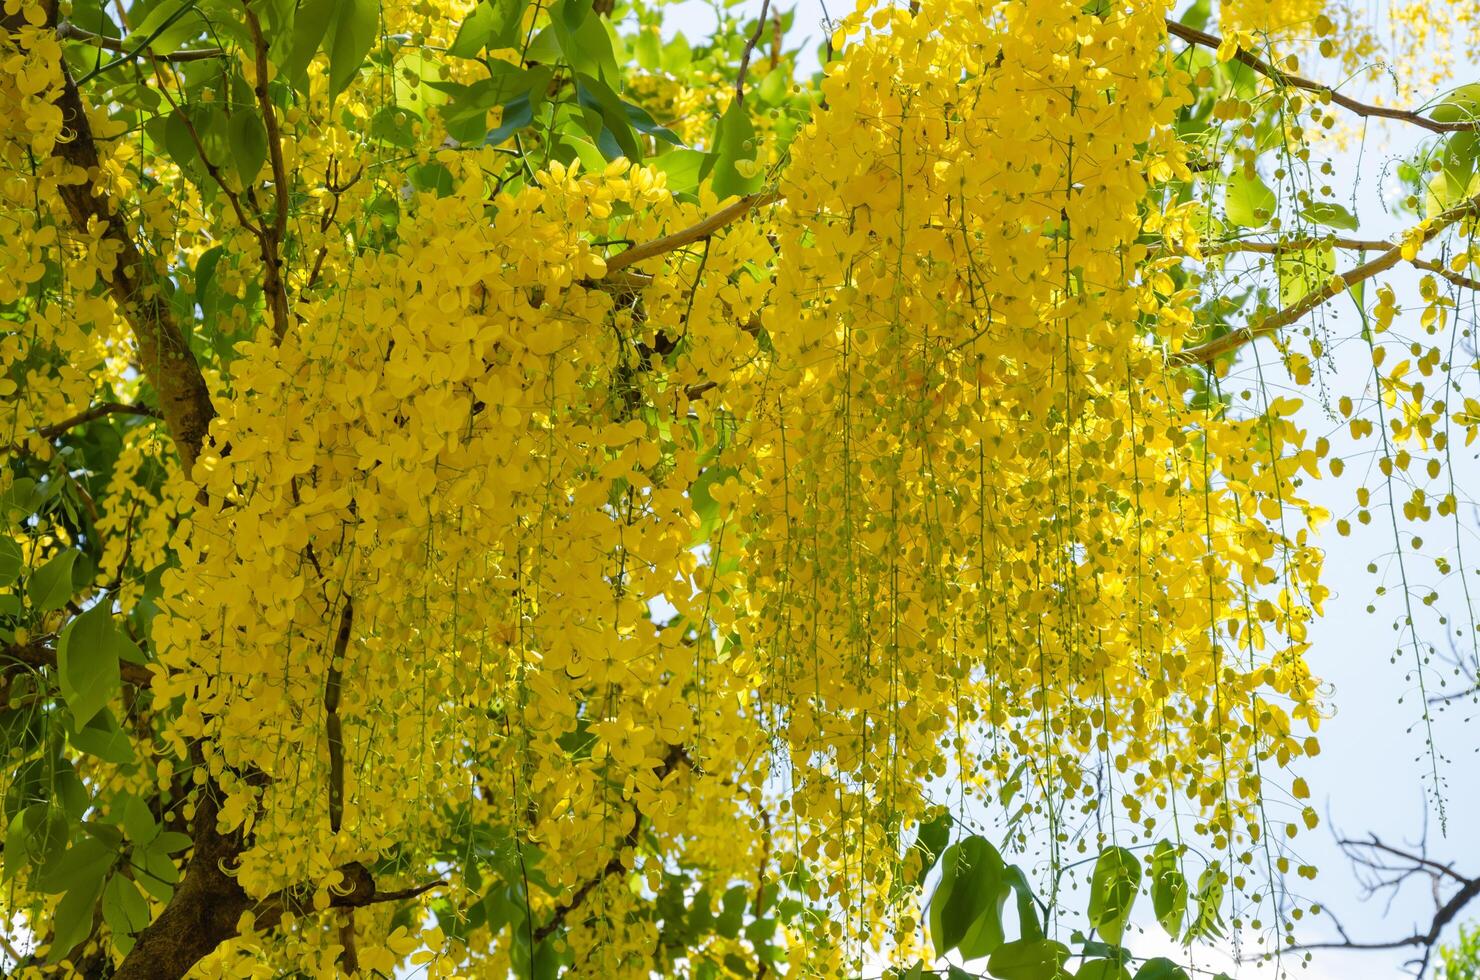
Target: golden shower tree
[513, 489]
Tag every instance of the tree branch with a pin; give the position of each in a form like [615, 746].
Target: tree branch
[273, 283]
[1349, 244]
[614, 865]
[36, 654]
[750, 43]
[1366, 110]
[693, 233]
[164, 351]
[96, 412]
[1233, 340]
[71, 32]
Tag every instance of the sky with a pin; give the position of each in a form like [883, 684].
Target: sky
[1374, 774]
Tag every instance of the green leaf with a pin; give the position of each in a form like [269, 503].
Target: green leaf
[677, 55]
[19, 501]
[1248, 201]
[1302, 273]
[154, 22]
[930, 842]
[685, 169]
[1027, 907]
[87, 662]
[248, 140]
[50, 586]
[136, 819]
[88, 859]
[1208, 920]
[583, 40]
[74, 917]
[1168, 888]
[103, 738]
[125, 910]
[732, 912]
[1460, 105]
[352, 33]
[1160, 968]
[493, 25]
[310, 24]
[1102, 970]
[1331, 215]
[595, 95]
[966, 909]
[11, 561]
[171, 842]
[1112, 891]
[1029, 959]
[648, 49]
[734, 170]
[774, 87]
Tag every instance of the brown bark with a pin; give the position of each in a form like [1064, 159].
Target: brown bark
[164, 351]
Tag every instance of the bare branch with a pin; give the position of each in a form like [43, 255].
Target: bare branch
[1366, 110]
[1411, 864]
[750, 43]
[1419, 861]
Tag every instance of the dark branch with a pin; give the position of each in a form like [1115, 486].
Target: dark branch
[614, 865]
[96, 412]
[1413, 864]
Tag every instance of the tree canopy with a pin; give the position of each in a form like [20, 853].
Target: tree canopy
[512, 489]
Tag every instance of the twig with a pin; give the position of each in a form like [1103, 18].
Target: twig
[96, 412]
[614, 865]
[1349, 244]
[272, 240]
[750, 43]
[71, 32]
[1366, 110]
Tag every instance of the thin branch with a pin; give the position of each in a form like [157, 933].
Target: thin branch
[71, 32]
[96, 412]
[1419, 861]
[272, 240]
[750, 43]
[614, 865]
[1439, 269]
[693, 233]
[1234, 339]
[1366, 110]
[1351, 244]
[1445, 912]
